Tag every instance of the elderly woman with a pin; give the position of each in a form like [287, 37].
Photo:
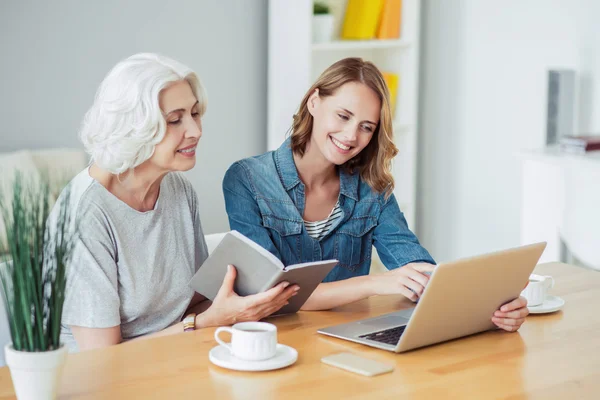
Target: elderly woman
[140, 240]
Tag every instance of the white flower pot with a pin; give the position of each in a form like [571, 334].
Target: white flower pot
[322, 28]
[35, 376]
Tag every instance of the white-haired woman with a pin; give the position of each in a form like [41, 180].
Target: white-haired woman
[139, 238]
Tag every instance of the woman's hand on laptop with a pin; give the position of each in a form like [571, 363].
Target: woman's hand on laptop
[229, 308]
[511, 315]
[409, 280]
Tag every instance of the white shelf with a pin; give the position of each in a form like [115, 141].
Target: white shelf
[554, 154]
[400, 128]
[361, 45]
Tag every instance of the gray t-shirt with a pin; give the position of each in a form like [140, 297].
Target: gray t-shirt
[132, 268]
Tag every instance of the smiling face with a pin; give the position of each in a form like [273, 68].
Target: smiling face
[344, 123]
[177, 150]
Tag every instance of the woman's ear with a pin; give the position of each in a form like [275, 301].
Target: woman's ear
[313, 102]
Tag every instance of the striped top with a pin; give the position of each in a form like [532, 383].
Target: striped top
[318, 229]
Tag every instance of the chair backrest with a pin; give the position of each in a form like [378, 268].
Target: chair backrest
[580, 229]
[4, 329]
[213, 240]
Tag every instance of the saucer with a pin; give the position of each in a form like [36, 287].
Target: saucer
[551, 304]
[284, 356]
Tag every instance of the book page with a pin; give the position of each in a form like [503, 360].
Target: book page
[266, 253]
[308, 264]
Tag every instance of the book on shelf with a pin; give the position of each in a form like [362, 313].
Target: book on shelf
[389, 23]
[258, 270]
[362, 19]
[580, 143]
[391, 80]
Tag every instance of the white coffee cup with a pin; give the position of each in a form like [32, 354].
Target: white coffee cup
[250, 341]
[537, 289]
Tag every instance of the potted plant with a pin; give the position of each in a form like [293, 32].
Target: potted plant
[322, 26]
[33, 281]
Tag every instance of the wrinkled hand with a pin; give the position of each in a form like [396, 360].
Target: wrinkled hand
[409, 280]
[229, 308]
[511, 316]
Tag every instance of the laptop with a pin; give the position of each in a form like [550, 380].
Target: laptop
[458, 301]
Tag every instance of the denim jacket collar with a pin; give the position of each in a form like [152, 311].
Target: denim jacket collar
[289, 174]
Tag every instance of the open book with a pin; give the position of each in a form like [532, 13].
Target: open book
[257, 271]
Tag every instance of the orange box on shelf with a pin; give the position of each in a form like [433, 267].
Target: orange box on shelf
[391, 17]
[392, 83]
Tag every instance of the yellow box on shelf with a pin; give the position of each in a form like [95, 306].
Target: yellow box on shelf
[392, 80]
[362, 19]
[391, 17]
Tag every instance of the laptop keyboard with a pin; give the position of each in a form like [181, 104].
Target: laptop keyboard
[388, 336]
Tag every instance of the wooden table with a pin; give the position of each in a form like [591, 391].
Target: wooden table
[553, 356]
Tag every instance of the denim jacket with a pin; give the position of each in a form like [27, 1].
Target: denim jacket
[265, 201]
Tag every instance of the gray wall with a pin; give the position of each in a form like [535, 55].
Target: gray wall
[55, 54]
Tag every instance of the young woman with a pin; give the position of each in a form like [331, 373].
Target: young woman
[140, 240]
[327, 193]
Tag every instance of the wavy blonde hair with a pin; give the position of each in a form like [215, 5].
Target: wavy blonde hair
[374, 162]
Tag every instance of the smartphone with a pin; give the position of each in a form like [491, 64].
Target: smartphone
[357, 364]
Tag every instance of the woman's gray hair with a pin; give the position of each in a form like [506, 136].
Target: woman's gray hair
[125, 122]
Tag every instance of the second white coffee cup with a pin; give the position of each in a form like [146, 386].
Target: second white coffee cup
[250, 341]
[537, 289]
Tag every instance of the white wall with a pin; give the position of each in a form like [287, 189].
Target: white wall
[55, 54]
[483, 93]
